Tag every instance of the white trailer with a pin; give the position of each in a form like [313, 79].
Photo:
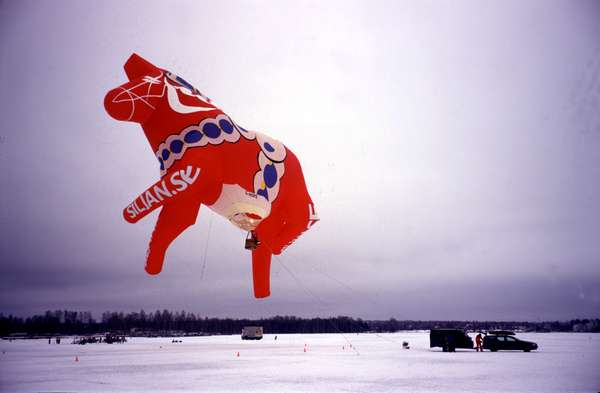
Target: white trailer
[252, 333]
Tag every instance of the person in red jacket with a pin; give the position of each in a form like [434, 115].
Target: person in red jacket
[478, 340]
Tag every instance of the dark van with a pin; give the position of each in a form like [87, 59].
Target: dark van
[449, 339]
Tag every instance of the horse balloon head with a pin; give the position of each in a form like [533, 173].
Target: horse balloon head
[148, 88]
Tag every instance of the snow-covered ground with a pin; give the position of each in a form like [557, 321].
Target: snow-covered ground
[565, 362]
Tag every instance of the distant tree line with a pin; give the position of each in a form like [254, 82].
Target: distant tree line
[575, 325]
[165, 322]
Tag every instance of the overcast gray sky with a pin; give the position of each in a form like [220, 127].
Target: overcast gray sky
[452, 149]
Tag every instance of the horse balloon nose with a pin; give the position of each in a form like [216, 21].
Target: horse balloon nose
[119, 104]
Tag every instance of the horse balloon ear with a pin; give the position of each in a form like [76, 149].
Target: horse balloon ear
[136, 66]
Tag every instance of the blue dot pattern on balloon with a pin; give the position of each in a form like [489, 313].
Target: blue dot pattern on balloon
[211, 130]
[176, 146]
[192, 136]
[270, 175]
[226, 126]
[263, 193]
[185, 83]
[268, 147]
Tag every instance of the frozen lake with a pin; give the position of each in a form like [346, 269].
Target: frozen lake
[565, 362]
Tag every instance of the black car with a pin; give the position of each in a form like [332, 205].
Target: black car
[449, 339]
[507, 342]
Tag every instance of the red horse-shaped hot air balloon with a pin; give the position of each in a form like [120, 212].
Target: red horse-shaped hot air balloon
[206, 158]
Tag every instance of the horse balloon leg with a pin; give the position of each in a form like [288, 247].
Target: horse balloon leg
[172, 221]
[261, 270]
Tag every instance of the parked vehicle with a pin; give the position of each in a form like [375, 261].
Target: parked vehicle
[108, 338]
[87, 340]
[501, 332]
[507, 342]
[449, 339]
[252, 333]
